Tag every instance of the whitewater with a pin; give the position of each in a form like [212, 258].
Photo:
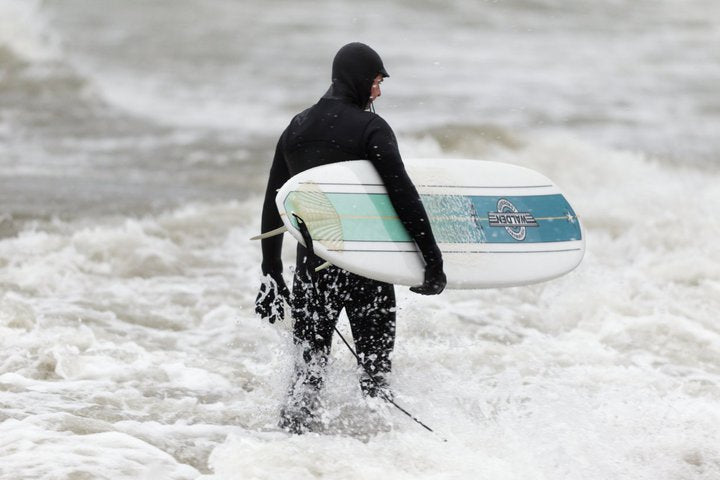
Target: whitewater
[131, 180]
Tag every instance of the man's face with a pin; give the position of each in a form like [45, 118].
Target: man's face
[375, 89]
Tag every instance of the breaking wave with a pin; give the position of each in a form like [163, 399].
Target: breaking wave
[25, 33]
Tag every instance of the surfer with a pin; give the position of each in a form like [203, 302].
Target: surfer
[340, 128]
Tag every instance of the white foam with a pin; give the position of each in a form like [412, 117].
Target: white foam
[269, 456]
[30, 449]
[145, 327]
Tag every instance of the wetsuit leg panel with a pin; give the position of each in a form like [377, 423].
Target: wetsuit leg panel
[317, 302]
[371, 310]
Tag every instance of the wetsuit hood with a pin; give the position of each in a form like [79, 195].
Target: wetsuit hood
[354, 68]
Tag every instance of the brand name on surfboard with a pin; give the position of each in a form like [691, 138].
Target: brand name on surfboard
[514, 222]
[520, 219]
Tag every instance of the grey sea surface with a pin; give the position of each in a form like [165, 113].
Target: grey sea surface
[121, 106]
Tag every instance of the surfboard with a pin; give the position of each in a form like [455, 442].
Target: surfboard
[497, 224]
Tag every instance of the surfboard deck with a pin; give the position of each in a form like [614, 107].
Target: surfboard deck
[497, 224]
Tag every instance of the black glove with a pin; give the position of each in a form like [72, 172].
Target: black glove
[269, 303]
[435, 280]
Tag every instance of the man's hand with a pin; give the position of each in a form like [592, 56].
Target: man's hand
[269, 302]
[435, 280]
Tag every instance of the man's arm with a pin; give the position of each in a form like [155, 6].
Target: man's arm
[269, 302]
[383, 152]
[272, 247]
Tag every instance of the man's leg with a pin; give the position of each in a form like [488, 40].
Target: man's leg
[371, 310]
[315, 311]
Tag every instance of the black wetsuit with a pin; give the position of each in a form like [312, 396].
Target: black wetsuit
[338, 129]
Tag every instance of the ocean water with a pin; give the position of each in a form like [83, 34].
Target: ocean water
[135, 140]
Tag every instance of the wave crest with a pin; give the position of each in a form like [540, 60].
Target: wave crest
[25, 33]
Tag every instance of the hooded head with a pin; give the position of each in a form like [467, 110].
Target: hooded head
[354, 68]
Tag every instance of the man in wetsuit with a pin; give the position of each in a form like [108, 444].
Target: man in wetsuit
[339, 128]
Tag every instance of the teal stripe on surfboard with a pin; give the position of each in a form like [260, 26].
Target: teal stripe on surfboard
[455, 218]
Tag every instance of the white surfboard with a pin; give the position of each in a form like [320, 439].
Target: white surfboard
[497, 224]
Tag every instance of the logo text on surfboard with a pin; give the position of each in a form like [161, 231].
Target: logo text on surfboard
[514, 222]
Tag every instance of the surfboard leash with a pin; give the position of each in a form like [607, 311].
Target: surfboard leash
[380, 390]
[309, 246]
